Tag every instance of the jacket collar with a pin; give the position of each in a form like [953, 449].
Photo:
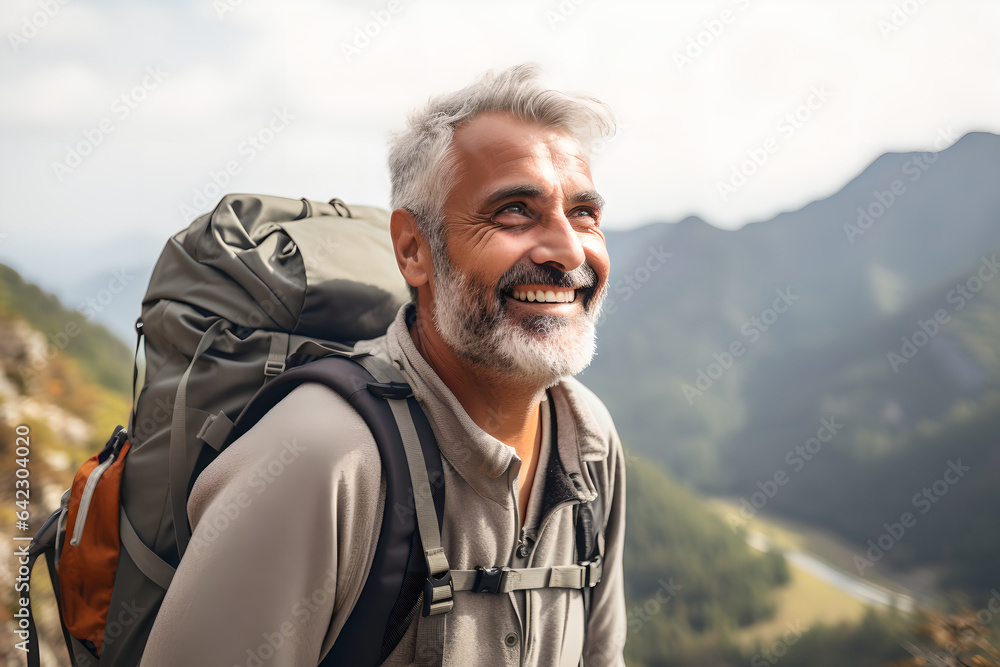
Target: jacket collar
[483, 461]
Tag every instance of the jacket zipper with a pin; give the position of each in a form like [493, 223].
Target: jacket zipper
[87, 496]
[512, 486]
[545, 520]
[531, 558]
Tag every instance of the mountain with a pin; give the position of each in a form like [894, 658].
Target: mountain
[102, 357]
[724, 351]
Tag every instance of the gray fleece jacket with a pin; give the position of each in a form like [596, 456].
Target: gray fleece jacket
[285, 524]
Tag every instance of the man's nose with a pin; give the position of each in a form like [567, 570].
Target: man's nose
[558, 244]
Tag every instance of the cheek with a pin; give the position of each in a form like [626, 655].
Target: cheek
[492, 261]
[597, 257]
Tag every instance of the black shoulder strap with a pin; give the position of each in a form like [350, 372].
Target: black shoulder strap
[590, 526]
[388, 602]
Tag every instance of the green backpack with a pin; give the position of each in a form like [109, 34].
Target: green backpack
[258, 283]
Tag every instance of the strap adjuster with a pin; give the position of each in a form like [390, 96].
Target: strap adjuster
[592, 571]
[490, 579]
[273, 367]
[388, 390]
[439, 594]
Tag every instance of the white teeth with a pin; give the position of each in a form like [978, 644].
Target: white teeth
[549, 296]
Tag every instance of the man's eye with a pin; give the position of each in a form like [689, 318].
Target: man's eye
[586, 212]
[511, 212]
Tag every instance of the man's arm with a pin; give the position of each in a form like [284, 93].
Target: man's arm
[282, 538]
[606, 629]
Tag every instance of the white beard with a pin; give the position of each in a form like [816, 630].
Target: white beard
[539, 350]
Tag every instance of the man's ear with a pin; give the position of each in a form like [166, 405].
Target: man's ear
[412, 252]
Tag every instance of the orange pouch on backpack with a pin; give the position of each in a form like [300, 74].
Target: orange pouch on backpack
[89, 558]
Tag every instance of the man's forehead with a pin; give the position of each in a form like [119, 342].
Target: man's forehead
[496, 145]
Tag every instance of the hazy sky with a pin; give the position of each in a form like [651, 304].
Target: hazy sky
[116, 117]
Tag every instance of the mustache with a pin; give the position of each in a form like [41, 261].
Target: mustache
[527, 272]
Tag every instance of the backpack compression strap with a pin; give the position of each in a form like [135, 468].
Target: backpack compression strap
[44, 545]
[388, 601]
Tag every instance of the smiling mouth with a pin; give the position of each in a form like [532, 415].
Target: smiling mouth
[527, 293]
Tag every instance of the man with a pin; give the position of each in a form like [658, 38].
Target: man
[496, 229]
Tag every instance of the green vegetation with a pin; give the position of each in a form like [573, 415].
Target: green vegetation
[873, 642]
[102, 357]
[691, 582]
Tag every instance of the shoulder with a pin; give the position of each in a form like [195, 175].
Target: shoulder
[310, 440]
[590, 405]
[319, 421]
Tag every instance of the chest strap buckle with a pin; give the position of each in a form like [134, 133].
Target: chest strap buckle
[490, 579]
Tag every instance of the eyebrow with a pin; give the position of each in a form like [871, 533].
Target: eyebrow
[522, 191]
[588, 197]
[531, 192]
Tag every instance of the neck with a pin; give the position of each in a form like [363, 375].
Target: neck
[506, 408]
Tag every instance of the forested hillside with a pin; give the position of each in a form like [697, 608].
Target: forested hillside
[100, 355]
[691, 581]
[831, 363]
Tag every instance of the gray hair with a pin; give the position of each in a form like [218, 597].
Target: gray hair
[422, 162]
